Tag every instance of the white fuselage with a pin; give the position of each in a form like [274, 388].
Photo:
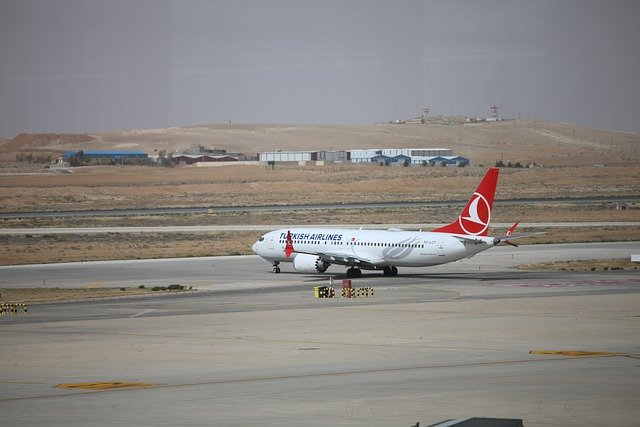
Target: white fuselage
[373, 248]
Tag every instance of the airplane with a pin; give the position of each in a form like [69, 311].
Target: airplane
[313, 250]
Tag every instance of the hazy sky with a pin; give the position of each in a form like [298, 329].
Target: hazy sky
[92, 65]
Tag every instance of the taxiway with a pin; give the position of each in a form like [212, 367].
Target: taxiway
[253, 348]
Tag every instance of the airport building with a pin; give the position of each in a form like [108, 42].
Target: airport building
[304, 156]
[189, 159]
[417, 155]
[441, 161]
[105, 154]
[399, 160]
[383, 156]
[408, 156]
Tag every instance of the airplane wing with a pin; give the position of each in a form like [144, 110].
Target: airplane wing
[343, 259]
[496, 240]
[332, 257]
[507, 238]
[510, 236]
[520, 236]
[470, 239]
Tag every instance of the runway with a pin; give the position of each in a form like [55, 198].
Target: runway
[253, 348]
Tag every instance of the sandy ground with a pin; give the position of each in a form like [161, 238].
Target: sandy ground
[68, 248]
[42, 295]
[565, 155]
[583, 265]
[552, 212]
[132, 187]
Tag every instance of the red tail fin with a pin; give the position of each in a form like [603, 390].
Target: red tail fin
[476, 215]
[288, 248]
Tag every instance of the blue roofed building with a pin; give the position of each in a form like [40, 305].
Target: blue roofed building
[381, 159]
[107, 154]
[456, 161]
[401, 160]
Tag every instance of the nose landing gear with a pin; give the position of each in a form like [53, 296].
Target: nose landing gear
[276, 268]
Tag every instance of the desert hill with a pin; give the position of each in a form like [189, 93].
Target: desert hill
[43, 144]
[43, 141]
[544, 143]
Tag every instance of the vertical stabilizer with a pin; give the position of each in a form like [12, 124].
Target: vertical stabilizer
[476, 215]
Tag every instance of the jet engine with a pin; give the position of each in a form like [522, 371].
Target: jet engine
[305, 263]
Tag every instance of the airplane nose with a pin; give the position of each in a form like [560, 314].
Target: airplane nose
[254, 248]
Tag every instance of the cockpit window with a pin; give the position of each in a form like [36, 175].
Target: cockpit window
[261, 239]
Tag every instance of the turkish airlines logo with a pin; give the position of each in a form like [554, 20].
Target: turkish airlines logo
[475, 218]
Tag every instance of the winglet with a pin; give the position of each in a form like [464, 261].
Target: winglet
[512, 229]
[510, 233]
[288, 249]
[476, 215]
[509, 236]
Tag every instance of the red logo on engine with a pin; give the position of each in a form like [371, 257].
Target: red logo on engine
[476, 216]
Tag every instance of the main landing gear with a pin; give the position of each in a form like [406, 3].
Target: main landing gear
[276, 268]
[390, 271]
[354, 272]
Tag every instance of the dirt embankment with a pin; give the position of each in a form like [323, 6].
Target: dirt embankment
[47, 141]
[45, 295]
[40, 144]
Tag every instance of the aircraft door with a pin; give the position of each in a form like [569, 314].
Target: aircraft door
[441, 247]
[271, 243]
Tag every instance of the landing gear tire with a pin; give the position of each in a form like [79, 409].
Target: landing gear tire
[354, 272]
[276, 269]
[390, 271]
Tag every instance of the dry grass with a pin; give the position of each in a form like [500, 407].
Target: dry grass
[583, 265]
[17, 250]
[567, 212]
[112, 188]
[582, 235]
[41, 295]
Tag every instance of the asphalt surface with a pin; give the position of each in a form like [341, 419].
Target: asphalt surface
[254, 348]
[233, 272]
